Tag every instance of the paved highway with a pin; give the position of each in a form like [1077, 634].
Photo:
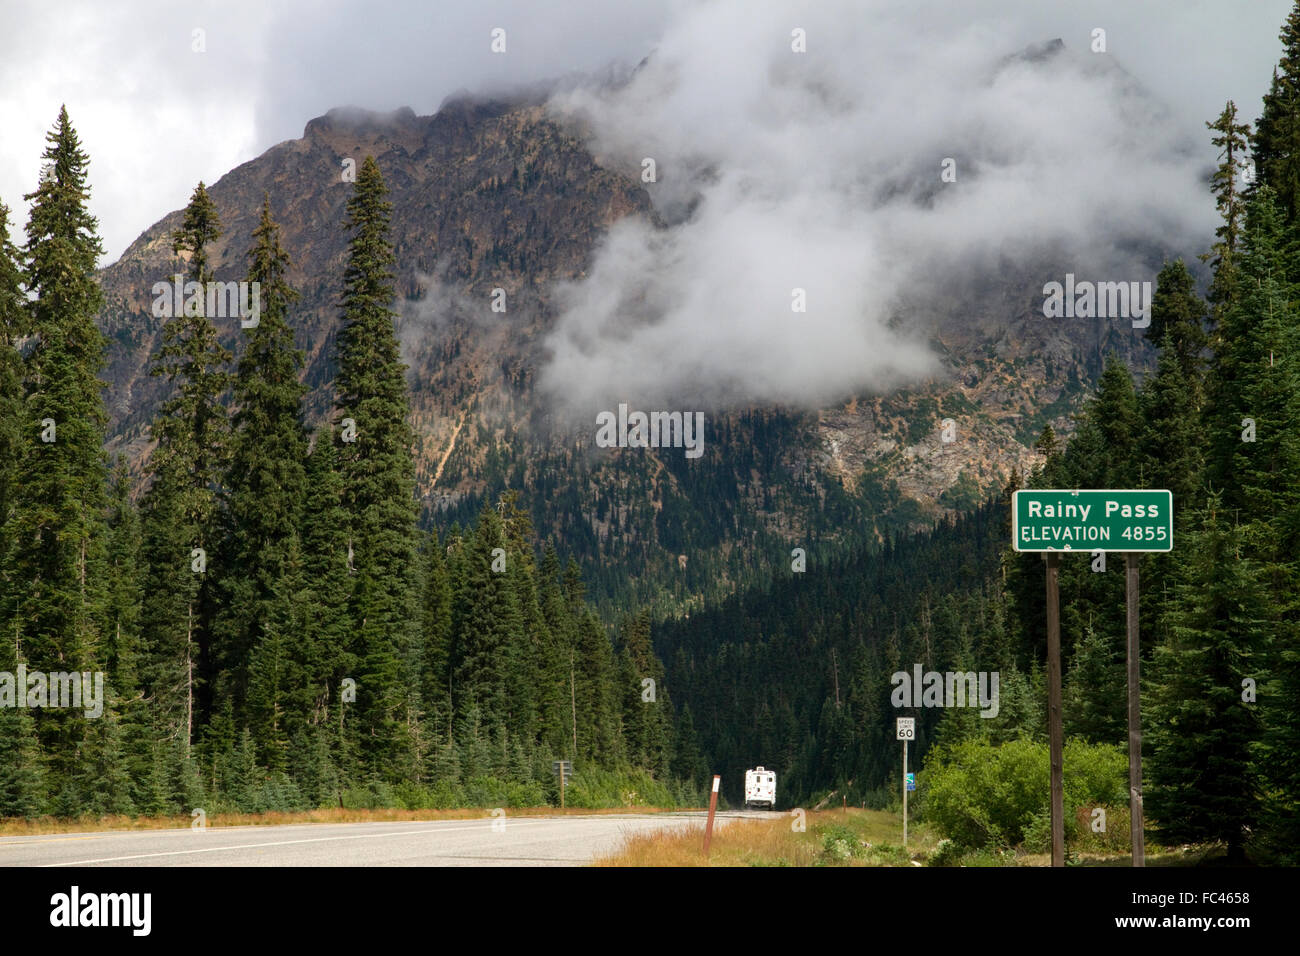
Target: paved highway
[523, 841]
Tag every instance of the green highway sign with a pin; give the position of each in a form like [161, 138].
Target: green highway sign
[1062, 520]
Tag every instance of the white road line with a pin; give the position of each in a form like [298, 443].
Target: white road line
[253, 846]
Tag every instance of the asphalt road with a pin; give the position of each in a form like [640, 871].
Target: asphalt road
[522, 841]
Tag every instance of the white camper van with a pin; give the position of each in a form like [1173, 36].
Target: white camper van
[760, 789]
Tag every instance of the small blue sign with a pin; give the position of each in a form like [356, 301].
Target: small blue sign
[911, 781]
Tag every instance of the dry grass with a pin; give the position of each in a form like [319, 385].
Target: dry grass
[738, 843]
[852, 838]
[869, 837]
[22, 827]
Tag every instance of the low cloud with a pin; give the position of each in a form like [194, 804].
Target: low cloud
[821, 171]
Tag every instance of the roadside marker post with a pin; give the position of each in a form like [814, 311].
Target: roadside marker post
[906, 731]
[1055, 521]
[713, 806]
[565, 770]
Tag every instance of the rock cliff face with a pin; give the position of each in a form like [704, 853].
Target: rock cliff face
[495, 195]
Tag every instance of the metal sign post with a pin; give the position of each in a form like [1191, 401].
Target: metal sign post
[906, 731]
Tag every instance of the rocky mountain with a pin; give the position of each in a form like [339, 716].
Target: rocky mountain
[499, 195]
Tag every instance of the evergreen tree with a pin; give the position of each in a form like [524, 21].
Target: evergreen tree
[1177, 322]
[167, 614]
[1229, 199]
[1171, 436]
[437, 624]
[1103, 453]
[488, 627]
[273, 672]
[14, 326]
[593, 673]
[1202, 785]
[1278, 757]
[1047, 444]
[58, 525]
[266, 482]
[378, 471]
[181, 515]
[1092, 709]
[121, 747]
[327, 655]
[1250, 336]
[122, 619]
[526, 651]
[152, 794]
[23, 774]
[689, 763]
[554, 698]
[1277, 132]
[108, 766]
[647, 725]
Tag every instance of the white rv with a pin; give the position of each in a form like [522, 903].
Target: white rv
[760, 789]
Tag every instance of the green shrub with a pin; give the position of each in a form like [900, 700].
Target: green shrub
[279, 793]
[982, 794]
[594, 789]
[886, 854]
[839, 842]
[412, 796]
[494, 792]
[375, 795]
[446, 795]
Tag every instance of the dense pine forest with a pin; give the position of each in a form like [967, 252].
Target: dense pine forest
[797, 676]
[276, 630]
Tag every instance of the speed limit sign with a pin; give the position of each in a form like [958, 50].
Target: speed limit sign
[906, 728]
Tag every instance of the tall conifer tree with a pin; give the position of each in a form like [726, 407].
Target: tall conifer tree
[377, 470]
[328, 655]
[60, 502]
[181, 509]
[1203, 786]
[15, 320]
[1277, 132]
[1229, 184]
[266, 480]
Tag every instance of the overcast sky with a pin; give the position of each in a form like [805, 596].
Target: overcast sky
[815, 170]
[157, 117]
